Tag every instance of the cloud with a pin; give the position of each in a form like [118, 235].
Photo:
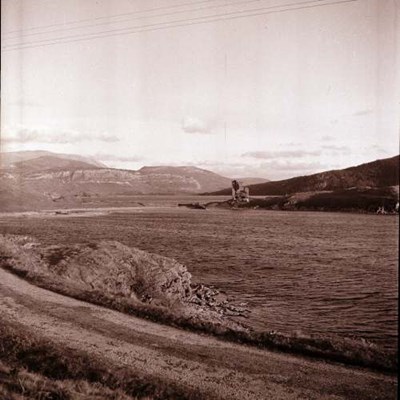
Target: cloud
[23, 103]
[276, 170]
[59, 136]
[379, 149]
[296, 168]
[362, 113]
[103, 137]
[114, 157]
[327, 138]
[343, 149]
[195, 125]
[269, 155]
[272, 170]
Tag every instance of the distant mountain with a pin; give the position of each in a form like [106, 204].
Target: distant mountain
[10, 158]
[48, 163]
[194, 178]
[376, 174]
[44, 180]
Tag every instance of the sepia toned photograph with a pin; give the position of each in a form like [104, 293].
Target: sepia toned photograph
[199, 199]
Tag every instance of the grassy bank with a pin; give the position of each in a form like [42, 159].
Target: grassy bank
[33, 368]
[348, 351]
[17, 383]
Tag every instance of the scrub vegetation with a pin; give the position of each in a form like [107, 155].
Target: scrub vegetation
[33, 368]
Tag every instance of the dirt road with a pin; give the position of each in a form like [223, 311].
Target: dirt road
[214, 367]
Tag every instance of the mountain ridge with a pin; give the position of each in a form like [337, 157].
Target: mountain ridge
[48, 181]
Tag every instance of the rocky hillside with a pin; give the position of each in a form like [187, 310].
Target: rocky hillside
[376, 174]
[51, 180]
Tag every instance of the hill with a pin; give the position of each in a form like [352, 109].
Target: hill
[8, 159]
[36, 180]
[49, 163]
[195, 178]
[376, 174]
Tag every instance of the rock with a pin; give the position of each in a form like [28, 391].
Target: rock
[214, 300]
[108, 267]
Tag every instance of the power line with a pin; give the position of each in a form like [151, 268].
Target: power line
[123, 30]
[109, 16]
[161, 26]
[140, 17]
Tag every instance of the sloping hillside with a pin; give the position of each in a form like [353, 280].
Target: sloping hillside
[380, 173]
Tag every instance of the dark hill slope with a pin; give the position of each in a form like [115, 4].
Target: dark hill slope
[379, 173]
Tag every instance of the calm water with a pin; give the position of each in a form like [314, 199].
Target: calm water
[325, 273]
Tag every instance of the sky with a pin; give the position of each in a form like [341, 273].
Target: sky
[267, 88]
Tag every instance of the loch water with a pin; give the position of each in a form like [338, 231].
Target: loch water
[300, 272]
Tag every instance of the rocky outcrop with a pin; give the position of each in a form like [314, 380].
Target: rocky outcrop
[108, 267]
[115, 270]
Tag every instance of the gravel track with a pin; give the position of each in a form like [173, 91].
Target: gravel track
[215, 368]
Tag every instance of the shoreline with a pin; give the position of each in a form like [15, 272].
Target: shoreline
[220, 206]
[196, 366]
[344, 351]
